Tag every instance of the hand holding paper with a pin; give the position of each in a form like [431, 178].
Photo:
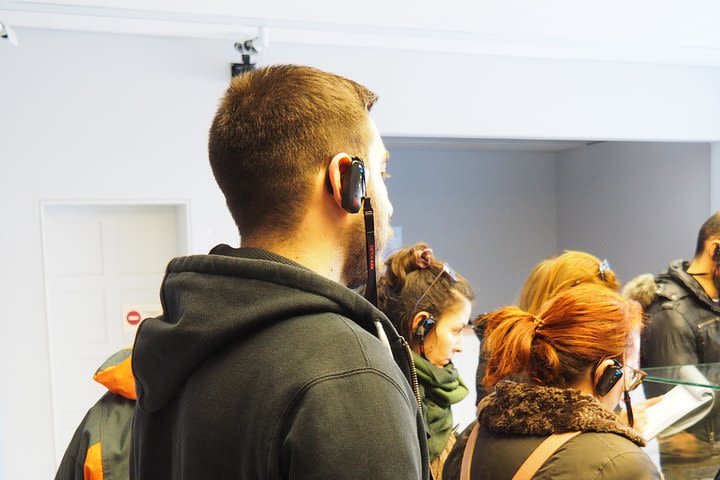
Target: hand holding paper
[681, 407]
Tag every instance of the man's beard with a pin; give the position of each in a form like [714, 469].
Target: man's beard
[354, 269]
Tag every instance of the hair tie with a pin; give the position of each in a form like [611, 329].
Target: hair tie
[539, 323]
[604, 268]
[423, 257]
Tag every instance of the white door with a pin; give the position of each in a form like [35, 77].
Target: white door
[100, 262]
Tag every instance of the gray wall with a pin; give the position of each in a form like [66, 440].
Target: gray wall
[494, 215]
[638, 204]
[491, 215]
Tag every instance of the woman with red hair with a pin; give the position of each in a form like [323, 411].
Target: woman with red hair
[560, 424]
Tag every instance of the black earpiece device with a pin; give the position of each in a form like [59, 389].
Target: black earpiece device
[352, 180]
[716, 254]
[609, 378]
[424, 327]
[352, 184]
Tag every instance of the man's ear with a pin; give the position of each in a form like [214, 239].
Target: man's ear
[712, 245]
[334, 174]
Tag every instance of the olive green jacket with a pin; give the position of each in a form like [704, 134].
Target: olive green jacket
[517, 417]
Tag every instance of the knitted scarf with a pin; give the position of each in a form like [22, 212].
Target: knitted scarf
[522, 409]
[439, 388]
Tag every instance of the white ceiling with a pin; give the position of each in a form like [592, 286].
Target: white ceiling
[661, 31]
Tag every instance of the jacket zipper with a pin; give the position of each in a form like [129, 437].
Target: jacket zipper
[706, 322]
[413, 374]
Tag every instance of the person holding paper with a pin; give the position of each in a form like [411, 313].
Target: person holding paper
[560, 424]
[557, 274]
[550, 277]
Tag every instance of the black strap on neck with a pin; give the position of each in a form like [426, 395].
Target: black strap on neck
[371, 288]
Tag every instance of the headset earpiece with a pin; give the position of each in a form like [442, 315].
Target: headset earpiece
[612, 374]
[424, 327]
[352, 181]
[716, 254]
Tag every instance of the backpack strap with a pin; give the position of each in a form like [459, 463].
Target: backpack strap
[531, 465]
[468, 453]
[544, 451]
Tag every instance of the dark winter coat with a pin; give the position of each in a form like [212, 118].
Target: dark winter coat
[517, 418]
[683, 329]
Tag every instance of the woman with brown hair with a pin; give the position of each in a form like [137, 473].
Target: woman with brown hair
[429, 304]
[560, 424]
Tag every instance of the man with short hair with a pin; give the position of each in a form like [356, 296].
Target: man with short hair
[264, 363]
[684, 313]
[684, 329]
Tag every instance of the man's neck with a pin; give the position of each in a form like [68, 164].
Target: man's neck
[702, 271]
[313, 252]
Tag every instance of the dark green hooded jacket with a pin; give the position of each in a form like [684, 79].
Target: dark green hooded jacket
[260, 368]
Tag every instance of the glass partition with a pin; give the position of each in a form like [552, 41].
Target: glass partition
[702, 375]
[684, 428]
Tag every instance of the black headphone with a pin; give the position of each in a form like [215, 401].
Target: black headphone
[609, 378]
[352, 183]
[424, 327]
[716, 254]
[352, 180]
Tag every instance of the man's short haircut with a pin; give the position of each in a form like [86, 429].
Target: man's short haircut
[275, 129]
[710, 229]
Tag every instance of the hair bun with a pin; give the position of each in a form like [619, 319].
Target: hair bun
[423, 257]
[405, 261]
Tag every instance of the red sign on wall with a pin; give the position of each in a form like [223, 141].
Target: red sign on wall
[133, 317]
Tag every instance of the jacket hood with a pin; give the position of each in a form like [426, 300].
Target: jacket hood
[116, 374]
[216, 300]
[523, 409]
[642, 289]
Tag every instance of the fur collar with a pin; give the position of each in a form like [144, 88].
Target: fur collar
[523, 409]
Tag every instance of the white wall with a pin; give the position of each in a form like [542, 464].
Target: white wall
[638, 204]
[715, 176]
[462, 95]
[92, 118]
